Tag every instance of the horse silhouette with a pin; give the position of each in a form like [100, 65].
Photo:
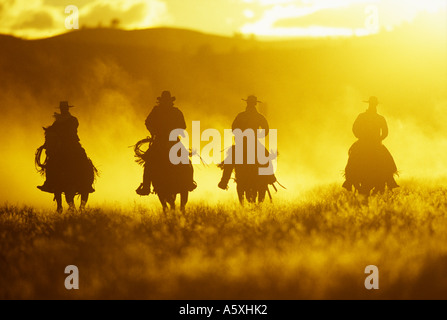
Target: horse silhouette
[250, 184]
[371, 167]
[168, 179]
[67, 168]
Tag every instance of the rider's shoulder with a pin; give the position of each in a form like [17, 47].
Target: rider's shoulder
[176, 110]
[362, 114]
[248, 114]
[379, 116]
[241, 116]
[367, 115]
[155, 108]
[261, 116]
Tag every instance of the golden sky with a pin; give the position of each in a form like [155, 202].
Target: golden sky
[264, 18]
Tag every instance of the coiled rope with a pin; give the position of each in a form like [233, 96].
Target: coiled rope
[40, 166]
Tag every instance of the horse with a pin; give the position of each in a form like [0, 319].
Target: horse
[67, 169]
[370, 169]
[168, 180]
[251, 185]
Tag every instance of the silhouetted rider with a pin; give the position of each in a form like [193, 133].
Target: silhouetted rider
[370, 126]
[163, 118]
[251, 118]
[66, 125]
[368, 153]
[65, 154]
[248, 119]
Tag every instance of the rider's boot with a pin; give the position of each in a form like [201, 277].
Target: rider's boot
[46, 187]
[145, 188]
[192, 186]
[226, 175]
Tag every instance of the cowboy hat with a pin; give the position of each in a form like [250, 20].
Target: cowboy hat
[166, 96]
[252, 98]
[372, 99]
[64, 104]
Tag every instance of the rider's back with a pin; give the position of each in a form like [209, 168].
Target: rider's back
[250, 119]
[66, 128]
[162, 120]
[370, 127]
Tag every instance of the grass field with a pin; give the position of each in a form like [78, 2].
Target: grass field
[316, 247]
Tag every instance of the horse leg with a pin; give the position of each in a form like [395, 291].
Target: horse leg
[163, 202]
[171, 201]
[84, 199]
[251, 195]
[58, 198]
[69, 197]
[261, 194]
[183, 201]
[240, 194]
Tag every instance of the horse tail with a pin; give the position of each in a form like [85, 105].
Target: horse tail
[95, 170]
[280, 185]
[268, 192]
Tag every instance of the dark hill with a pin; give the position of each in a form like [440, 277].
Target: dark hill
[311, 89]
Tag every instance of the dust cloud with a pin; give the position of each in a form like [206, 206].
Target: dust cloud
[311, 95]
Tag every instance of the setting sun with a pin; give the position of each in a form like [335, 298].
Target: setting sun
[265, 19]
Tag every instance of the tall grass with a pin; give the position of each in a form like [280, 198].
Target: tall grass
[316, 247]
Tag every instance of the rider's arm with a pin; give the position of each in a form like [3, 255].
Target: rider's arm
[356, 128]
[150, 122]
[264, 125]
[236, 124]
[384, 128]
[181, 120]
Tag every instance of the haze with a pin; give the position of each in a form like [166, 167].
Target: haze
[312, 91]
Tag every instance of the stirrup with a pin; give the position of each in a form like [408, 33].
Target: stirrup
[194, 186]
[222, 185]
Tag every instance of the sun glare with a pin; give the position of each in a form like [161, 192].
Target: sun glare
[360, 18]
